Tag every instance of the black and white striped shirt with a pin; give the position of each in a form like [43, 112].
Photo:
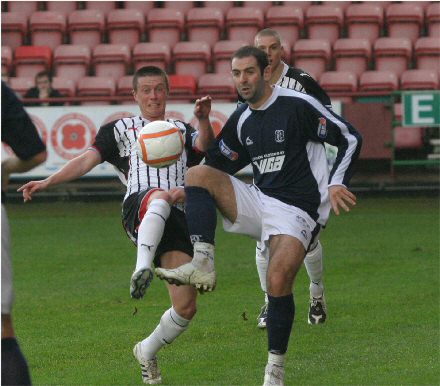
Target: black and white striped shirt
[116, 143]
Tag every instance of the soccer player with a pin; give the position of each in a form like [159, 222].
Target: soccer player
[20, 134]
[297, 79]
[281, 133]
[157, 227]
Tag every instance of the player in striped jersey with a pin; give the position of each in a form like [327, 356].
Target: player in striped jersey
[297, 79]
[150, 219]
[281, 133]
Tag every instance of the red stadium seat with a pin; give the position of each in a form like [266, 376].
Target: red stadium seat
[404, 20]
[392, 54]
[14, 29]
[287, 20]
[47, 28]
[433, 19]
[151, 54]
[182, 87]
[191, 58]
[86, 27]
[338, 81]
[183, 6]
[205, 24]
[223, 5]
[364, 21]
[312, 56]
[143, 6]
[6, 59]
[95, 86]
[71, 61]
[408, 137]
[25, 8]
[63, 7]
[66, 86]
[378, 81]
[22, 84]
[219, 86]
[222, 52]
[243, 23]
[261, 5]
[419, 80]
[29, 60]
[352, 55]
[427, 53]
[125, 26]
[343, 5]
[103, 6]
[111, 60]
[324, 22]
[165, 25]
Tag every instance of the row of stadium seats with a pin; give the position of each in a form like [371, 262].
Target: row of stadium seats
[210, 24]
[196, 58]
[66, 7]
[221, 85]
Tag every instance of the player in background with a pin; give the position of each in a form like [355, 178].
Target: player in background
[20, 134]
[285, 76]
[281, 133]
[150, 219]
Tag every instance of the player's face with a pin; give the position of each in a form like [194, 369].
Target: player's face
[248, 78]
[272, 47]
[43, 83]
[151, 96]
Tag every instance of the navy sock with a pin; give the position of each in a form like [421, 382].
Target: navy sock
[14, 367]
[201, 214]
[280, 315]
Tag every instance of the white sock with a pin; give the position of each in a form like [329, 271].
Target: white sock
[150, 232]
[203, 256]
[262, 264]
[314, 267]
[276, 359]
[170, 327]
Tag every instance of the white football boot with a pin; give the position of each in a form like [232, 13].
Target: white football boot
[139, 282]
[188, 274]
[149, 368]
[273, 375]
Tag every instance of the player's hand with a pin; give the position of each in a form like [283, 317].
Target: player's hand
[177, 194]
[341, 197]
[202, 107]
[32, 187]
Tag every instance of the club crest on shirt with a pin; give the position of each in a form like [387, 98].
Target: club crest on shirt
[322, 128]
[279, 136]
[227, 152]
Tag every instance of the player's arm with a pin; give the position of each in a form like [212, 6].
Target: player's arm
[205, 137]
[72, 170]
[326, 126]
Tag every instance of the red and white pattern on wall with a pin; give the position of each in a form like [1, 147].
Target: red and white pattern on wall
[72, 134]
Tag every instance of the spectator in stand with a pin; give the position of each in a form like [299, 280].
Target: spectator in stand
[43, 90]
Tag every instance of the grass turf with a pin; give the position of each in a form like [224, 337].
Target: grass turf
[77, 324]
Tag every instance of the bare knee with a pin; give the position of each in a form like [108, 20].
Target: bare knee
[160, 195]
[280, 282]
[200, 175]
[185, 303]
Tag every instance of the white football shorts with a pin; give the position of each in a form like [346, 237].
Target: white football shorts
[7, 293]
[260, 216]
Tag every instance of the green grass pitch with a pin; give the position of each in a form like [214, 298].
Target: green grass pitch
[77, 324]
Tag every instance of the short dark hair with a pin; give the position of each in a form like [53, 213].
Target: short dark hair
[44, 73]
[150, 71]
[258, 54]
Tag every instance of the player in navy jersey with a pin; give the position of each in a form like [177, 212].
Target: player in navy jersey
[150, 219]
[21, 135]
[297, 79]
[281, 133]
